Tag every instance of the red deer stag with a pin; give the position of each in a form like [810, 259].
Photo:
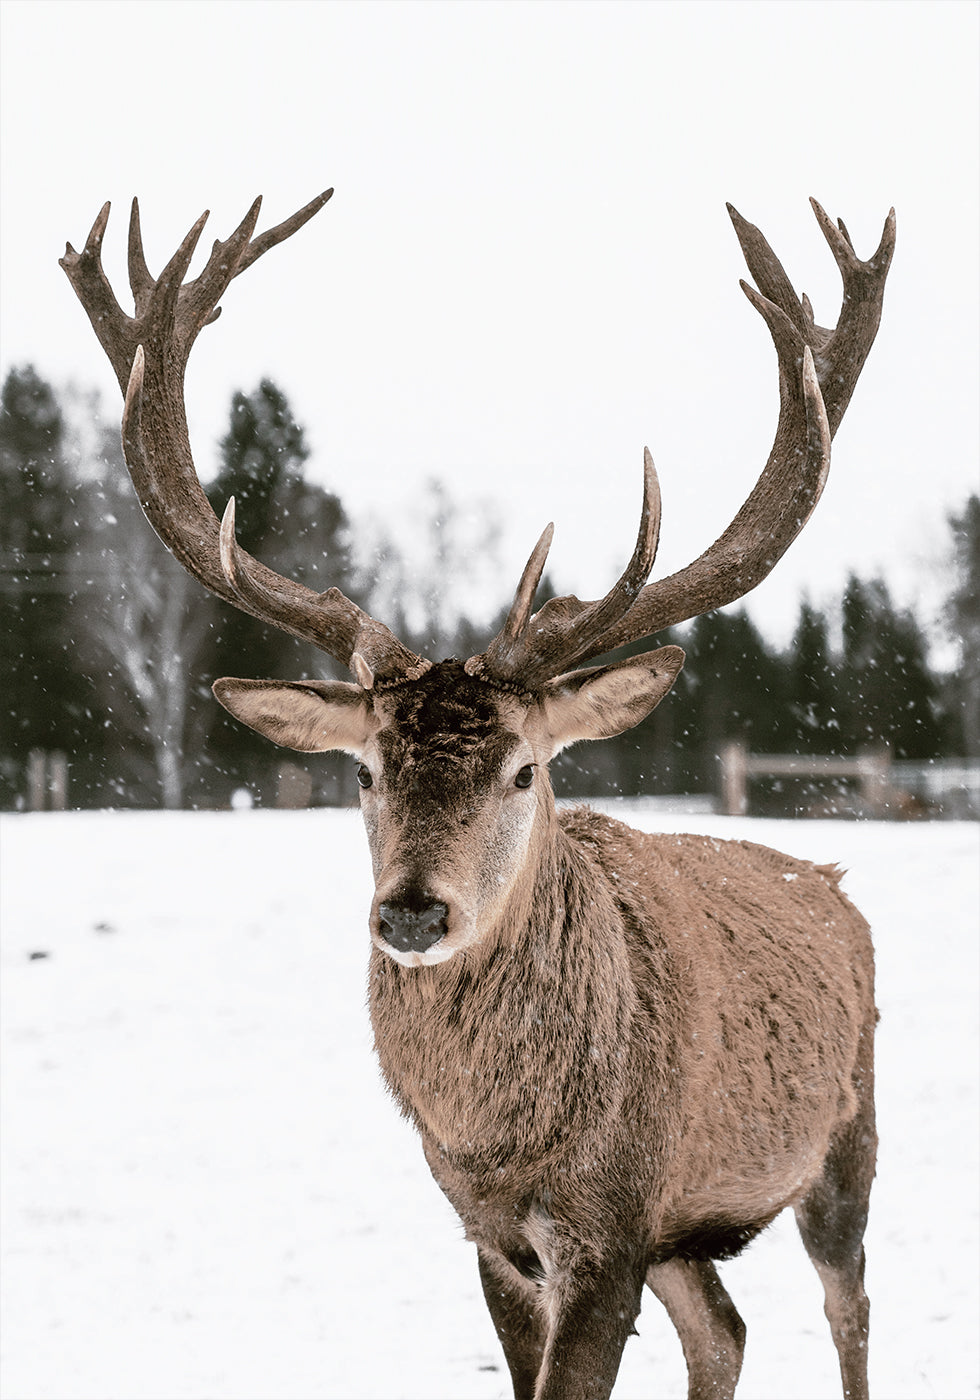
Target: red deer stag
[625, 1053]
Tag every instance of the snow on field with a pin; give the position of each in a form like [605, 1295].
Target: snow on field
[208, 1196]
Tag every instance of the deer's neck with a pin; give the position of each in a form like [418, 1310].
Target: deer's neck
[509, 1049]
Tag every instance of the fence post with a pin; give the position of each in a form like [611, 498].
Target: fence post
[874, 778]
[57, 781]
[734, 773]
[36, 785]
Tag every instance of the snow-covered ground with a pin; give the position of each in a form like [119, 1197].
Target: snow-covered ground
[208, 1195]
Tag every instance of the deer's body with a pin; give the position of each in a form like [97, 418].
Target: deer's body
[625, 1054]
[679, 1013]
[654, 1046]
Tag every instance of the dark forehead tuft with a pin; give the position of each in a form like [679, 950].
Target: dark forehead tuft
[445, 699]
[444, 712]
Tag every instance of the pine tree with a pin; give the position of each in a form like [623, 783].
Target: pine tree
[736, 688]
[262, 458]
[47, 698]
[889, 696]
[298, 529]
[812, 685]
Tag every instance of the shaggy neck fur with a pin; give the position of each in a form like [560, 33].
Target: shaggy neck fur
[567, 1005]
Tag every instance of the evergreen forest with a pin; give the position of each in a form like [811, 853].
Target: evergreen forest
[109, 648]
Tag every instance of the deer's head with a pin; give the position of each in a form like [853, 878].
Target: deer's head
[453, 772]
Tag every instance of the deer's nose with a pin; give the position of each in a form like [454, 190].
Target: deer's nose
[412, 929]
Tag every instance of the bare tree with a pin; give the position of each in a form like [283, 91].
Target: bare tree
[149, 623]
[439, 595]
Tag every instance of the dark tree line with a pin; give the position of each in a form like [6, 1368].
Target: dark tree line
[109, 648]
[873, 688]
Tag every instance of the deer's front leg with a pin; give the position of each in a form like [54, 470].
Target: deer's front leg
[513, 1303]
[593, 1309]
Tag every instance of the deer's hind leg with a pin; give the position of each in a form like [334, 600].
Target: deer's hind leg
[711, 1331]
[832, 1220]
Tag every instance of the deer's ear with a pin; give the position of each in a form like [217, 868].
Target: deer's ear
[311, 716]
[605, 700]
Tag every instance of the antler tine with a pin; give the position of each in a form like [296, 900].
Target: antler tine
[162, 306]
[623, 594]
[838, 239]
[282, 231]
[202, 295]
[231, 566]
[840, 353]
[149, 354]
[93, 244]
[114, 329]
[520, 611]
[140, 281]
[766, 269]
[818, 438]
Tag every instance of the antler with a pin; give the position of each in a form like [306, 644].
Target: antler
[818, 369]
[149, 352]
[564, 632]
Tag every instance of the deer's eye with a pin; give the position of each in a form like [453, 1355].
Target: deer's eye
[525, 776]
[364, 776]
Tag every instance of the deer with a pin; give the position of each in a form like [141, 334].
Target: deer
[625, 1053]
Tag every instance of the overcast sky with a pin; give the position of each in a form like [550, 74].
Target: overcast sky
[527, 272]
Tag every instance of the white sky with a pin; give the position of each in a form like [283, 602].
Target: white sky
[527, 271]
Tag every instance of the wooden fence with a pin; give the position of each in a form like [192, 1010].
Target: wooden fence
[872, 768]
